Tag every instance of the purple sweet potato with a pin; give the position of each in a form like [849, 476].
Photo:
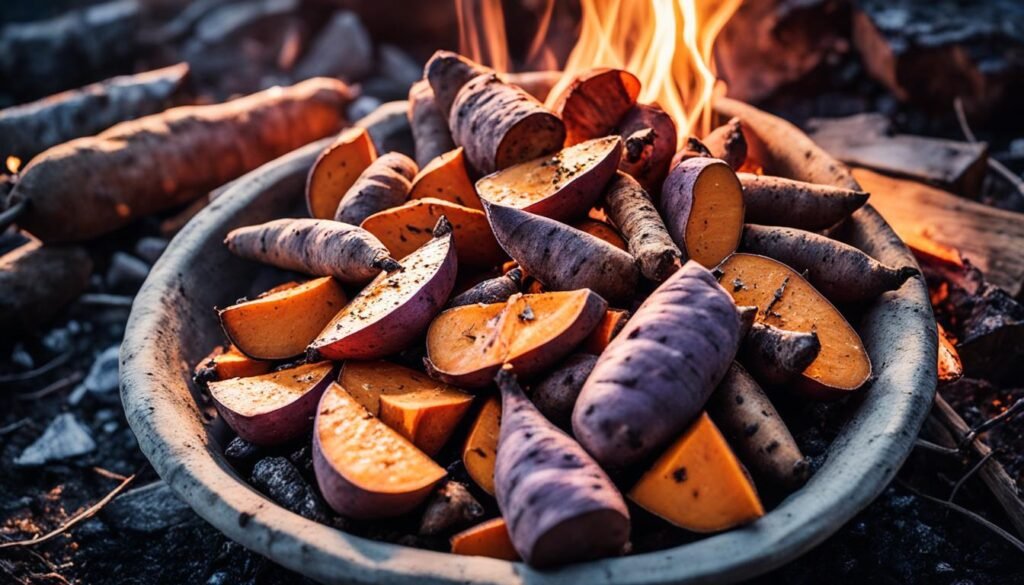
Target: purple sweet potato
[492, 290]
[728, 143]
[655, 376]
[429, 126]
[556, 394]
[702, 203]
[383, 185]
[447, 72]
[631, 210]
[650, 136]
[789, 203]
[776, 356]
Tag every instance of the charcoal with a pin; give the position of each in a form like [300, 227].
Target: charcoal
[147, 510]
[150, 248]
[102, 377]
[126, 272]
[282, 482]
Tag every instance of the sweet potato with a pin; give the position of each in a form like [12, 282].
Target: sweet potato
[699, 484]
[450, 507]
[273, 408]
[610, 326]
[317, 247]
[560, 505]
[363, 467]
[500, 125]
[36, 281]
[421, 409]
[391, 312]
[492, 290]
[94, 185]
[562, 257]
[281, 324]
[650, 137]
[447, 72]
[594, 102]
[446, 178]
[488, 539]
[601, 230]
[787, 301]
[728, 144]
[383, 185]
[481, 446]
[405, 228]
[702, 203]
[429, 125]
[756, 432]
[789, 203]
[222, 364]
[841, 272]
[692, 148]
[467, 345]
[336, 170]
[631, 210]
[655, 377]
[775, 356]
[556, 393]
[563, 186]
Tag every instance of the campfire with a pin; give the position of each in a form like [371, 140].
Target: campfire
[529, 281]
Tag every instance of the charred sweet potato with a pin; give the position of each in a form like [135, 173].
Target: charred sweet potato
[594, 102]
[776, 357]
[336, 170]
[487, 539]
[702, 203]
[478, 454]
[446, 178]
[492, 290]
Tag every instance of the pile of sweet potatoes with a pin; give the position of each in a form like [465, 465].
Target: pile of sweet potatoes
[559, 322]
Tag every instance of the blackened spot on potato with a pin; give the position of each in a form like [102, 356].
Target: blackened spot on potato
[679, 475]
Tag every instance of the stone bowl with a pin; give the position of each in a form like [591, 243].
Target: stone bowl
[172, 326]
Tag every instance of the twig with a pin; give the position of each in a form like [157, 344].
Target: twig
[961, 118]
[993, 163]
[83, 515]
[12, 213]
[14, 426]
[34, 373]
[106, 300]
[65, 382]
[1013, 540]
[109, 474]
[936, 448]
[1007, 414]
[966, 476]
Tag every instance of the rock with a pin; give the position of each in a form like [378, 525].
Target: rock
[362, 106]
[126, 272]
[342, 49]
[397, 65]
[150, 248]
[102, 377]
[63, 439]
[282, 482]
[147, 510]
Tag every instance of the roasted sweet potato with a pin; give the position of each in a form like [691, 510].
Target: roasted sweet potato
[222, 364]
[281, 324]
[481, 446]
[446, 178]
[789, 203]
[650, 138]
[429, 125]
[562, 257]
[655, 377]
[37, 280]
[336, 170]
[560, 505]
[467, 345]
[273, 408]
[488, 539]
[777, 357]
[492, 290]
[383, 185]
[631, 209]
[702, 203]
[447, 72]
[318, 247]
[391, 312]
[405, 228]
[699, 484]
[562, 186]
[603, 231]
[555, 394]
[610, 326]
[593, 104]
[728, 144]
[363, 467]
[420, 408]
[787, 301]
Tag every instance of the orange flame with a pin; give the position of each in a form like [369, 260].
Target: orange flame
[13, 164]
[667, 44]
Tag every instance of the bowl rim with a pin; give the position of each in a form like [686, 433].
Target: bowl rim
[184, 453]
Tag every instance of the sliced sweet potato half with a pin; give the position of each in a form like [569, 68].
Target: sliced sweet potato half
[561, 186]
[223, 363]
[699, 484]
[481, 448]
[702, 204]
[405, 228]
[787, 301]
[594, 102]
[364, 468]
[420, 408]
[281, 324]
[612, 322]
[466, 346]
[273, 408]
[446, 178]
[336, 170]
[391, 312]
[487, 539]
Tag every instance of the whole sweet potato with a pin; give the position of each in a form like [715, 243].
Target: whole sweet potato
[383, 185]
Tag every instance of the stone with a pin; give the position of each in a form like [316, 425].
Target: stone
[147, 510]
[102, 377]
[64, 439]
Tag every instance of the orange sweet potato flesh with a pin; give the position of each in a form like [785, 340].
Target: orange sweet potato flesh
[702, 203]
[421, 409]
[336, 170]
[446, 178]
[602, 230]
[223, 364]
[281, 324]
[612, 322]
[487, 539]
[481, 449]
[594, 103]
[699, 484]
[405, 228]
[467, 345]
[787, 301]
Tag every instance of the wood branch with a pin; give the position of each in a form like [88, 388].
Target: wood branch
[992, 239]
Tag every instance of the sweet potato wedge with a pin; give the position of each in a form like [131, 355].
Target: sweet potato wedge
[466, 346]
[594, 102]
[420, 408]
[363, 467]
[562, 186]
[281, 324]
[446, 178]
[788, 301]
[223, 363]
[702, 203]
[698, 483]
[405, 228]
[274, 408]
[391, 312]
[336, 170]
[481, 446]
[487, 539]
[610, 326]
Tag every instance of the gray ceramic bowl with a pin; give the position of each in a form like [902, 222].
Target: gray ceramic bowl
[172, 326]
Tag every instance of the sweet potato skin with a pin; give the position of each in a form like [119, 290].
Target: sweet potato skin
[777, 356]
[594, 103]
[447, 72]
[789, 203]
[630, 208]
[647, 159]
[429, 126]
[93, 185]
[492, 290]
[314, 246]
[655, 377]
[728, 143]
[555, 395]
[383, 185]
[36, 281]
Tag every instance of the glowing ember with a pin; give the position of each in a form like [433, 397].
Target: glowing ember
[13, 164]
